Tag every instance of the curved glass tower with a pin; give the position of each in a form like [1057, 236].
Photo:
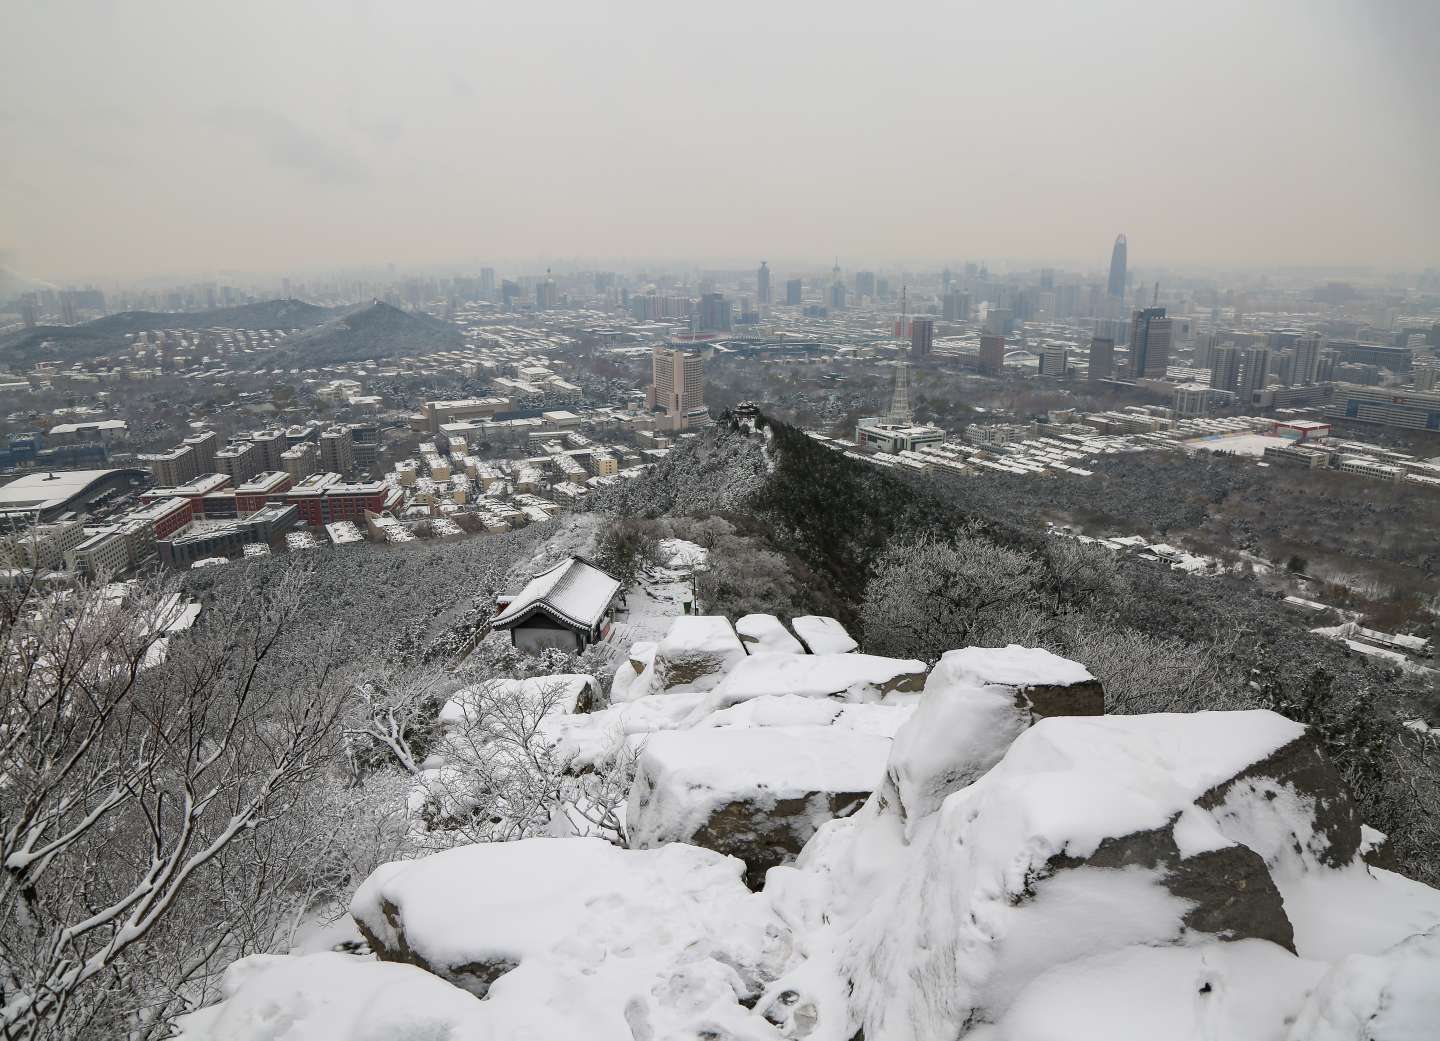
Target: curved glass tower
[1117, 268]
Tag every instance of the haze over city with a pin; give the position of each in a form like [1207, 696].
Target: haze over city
[183, 139]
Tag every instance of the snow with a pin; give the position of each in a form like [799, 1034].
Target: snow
[1013, 666]
[1389, 997]
[333, 997]
[855, 677]
[685, 776]
[1242, 991]
[765, 632]
[1355, 910]
[572, 588]
[606, 944]
[822, 634]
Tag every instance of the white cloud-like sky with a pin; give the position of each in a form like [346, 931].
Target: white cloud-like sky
[197, 136]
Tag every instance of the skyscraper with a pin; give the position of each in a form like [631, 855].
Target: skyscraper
[1256, 374]
[837, 295]
[922, 337]
[992, 354]
[762, 285]
[1307, 358]
[1117, 268]
[1224, 367]
[714, 313]
[793, 290]
[1102, 359]
[956, 306]
[865, 283]
[1150, 335]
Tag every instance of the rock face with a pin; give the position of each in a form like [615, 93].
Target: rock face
[756, 793]
[695, 654]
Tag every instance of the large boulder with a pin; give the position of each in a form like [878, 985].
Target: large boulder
[1090, 834]
[756, 793]
[576, 937]
[1394, 996]
[976, 702]
[822, 634]
[851, 677]
[766, 633]
[694, 656]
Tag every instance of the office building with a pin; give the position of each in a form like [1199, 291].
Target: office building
[956, 306]
[1256, 373]
[922, 337]
[1385, 406]
[1102, 359]
[547, 294]
[762, 285]
[714, 315]
[837, 295]
[1307, 359]
[677, 384]
[1117, 268]
[992, 354]
[865, 284]
[1150, 336]
[793, 291]
[1225, 367]
[1054, 361]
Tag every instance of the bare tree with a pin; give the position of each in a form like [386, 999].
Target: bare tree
[135, 765]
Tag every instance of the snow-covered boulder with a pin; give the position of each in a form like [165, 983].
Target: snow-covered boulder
[695, 654]
[563, 693]
[822, 634]
[765, 632]
[976, 702]
[792, 710]
[1394, 996]
[626, 685]
[853, 677]
[1091, 834]
[572, 938]
[333, 997]
[756, 793]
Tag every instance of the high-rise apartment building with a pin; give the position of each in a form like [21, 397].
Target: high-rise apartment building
[922, 337]
[1224, 367]
[992, 354]
[762, 285]
[1102, 359]
[1150, 336]
[1256, 372]
[337, 451]
[1307, 358]
[677, 383]
[793, 291]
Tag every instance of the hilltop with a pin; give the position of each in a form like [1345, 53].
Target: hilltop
[106, 335]
[372, 331]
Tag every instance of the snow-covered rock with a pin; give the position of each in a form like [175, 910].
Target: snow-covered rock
[853, 677]
[765, 632]
[756, 793]
[822, 634]
[625, 685]
[976, 702]
[695, 654]
[1394, 996]
[562, 693]
[333, 997]
[1091, 834]
[576, 938]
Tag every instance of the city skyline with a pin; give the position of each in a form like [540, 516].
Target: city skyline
[165, 144]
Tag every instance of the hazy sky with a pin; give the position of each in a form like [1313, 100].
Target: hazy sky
[196, 137]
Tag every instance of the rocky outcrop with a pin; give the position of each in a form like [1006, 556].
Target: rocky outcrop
[694, 656]
[756, 793]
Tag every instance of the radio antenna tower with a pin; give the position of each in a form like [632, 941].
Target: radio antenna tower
[901, 413]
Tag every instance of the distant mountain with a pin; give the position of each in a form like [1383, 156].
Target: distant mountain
[373, 331]
[107, 335]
